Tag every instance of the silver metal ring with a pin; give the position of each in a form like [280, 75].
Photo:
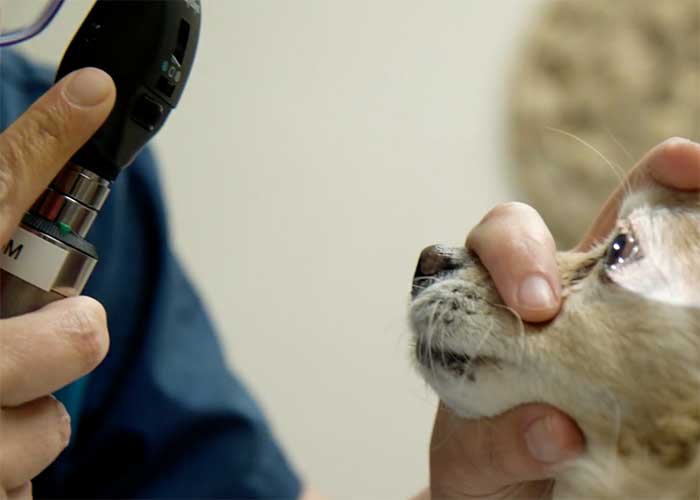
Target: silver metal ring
[68, 213]
[82, 185]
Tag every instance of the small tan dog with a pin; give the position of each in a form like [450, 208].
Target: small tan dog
[622, 357]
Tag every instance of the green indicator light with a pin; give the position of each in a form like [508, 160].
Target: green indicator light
[164, 66]
[64, 228]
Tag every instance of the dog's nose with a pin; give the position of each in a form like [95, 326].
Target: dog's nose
[437, 259]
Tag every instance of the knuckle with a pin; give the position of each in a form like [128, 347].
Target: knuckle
[673, 142]
[10, 158]
[13, 150]
[669, 149]
[47, 127]
[666, 150]
[42, 131]
[508, 209]
[512, 229]
[492, 224]
[85, 324]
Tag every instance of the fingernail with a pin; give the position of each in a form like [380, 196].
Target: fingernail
[535, 293]
[685, 140]
[88, 87]
[542, 441]
[679, 138]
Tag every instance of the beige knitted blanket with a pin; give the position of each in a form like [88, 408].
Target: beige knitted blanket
[621, 76]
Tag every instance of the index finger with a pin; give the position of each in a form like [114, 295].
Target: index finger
[675, 163]
[518, 250]
[47, 349]
[36, 146]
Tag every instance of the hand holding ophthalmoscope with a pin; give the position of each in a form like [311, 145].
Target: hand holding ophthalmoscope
[49, 257]
[68, 338]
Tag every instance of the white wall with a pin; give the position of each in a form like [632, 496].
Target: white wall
[320, 145]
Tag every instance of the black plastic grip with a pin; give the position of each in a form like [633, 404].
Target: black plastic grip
[148, 49]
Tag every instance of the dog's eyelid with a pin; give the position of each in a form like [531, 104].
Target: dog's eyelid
[625, 225]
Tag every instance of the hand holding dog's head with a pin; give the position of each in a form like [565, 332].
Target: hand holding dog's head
[622, 357]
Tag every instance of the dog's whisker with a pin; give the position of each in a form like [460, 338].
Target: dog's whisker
[431, 334]
[626, 186]
[520, 334]
[614, 167]
[619, 144]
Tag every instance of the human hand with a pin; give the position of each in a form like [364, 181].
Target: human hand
[45, 350]
[513, 454]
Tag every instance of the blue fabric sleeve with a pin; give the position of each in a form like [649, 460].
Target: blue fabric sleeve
[161, 417]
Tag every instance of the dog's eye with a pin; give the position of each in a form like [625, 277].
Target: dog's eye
[622, 249]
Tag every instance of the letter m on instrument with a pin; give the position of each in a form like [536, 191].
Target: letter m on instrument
[11, 251]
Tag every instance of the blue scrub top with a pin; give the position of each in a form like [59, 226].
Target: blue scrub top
[161, 416]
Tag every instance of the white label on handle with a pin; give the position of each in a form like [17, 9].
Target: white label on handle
[33, 259]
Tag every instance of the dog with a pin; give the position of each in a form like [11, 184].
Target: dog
[622, 357]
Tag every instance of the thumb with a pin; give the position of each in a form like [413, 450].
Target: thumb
[482, 457]
[36, 146]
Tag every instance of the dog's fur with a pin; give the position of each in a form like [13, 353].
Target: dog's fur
[622, 357]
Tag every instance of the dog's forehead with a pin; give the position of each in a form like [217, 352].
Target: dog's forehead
[665, 217]
[657, 197]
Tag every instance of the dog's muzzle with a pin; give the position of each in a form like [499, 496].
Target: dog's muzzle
[435, 263]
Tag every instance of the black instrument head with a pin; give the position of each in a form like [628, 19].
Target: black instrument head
[148, 48]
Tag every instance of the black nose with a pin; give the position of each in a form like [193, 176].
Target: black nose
[437, 259]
